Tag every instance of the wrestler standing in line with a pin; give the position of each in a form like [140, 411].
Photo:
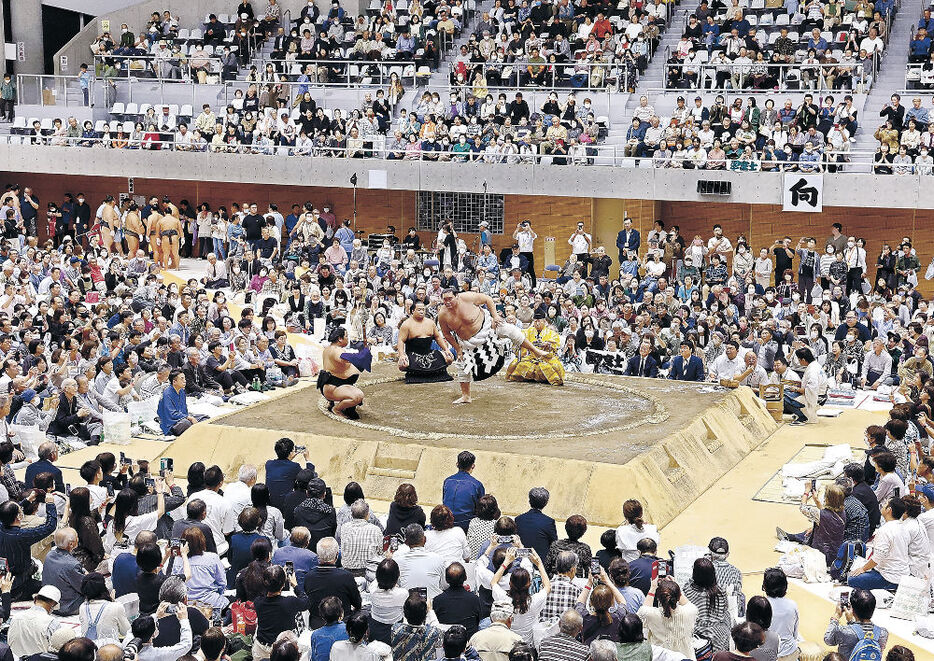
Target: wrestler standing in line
[472, 328]
[337, 378]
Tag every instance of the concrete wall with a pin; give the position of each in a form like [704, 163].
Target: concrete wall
[850, 190]
[26, 25]
[190, 13]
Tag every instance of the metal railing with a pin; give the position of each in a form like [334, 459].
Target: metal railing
[751, 76]
[375, 147]
[579, 75]
[42, 90]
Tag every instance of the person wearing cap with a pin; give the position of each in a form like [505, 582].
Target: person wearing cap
[496, 641]
[31, 631]
[528, 367]
[729, 578]
[486, 236]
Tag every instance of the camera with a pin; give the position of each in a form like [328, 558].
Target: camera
[523, 552]
[844, 598]
[289, 568]
[300, 448]
[595, 567]
[150, 483]
[166, 464]
[131, 649]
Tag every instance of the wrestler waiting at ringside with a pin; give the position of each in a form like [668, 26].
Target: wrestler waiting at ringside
[417, 359]
[338, 375]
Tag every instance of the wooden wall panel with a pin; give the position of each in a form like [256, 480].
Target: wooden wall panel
[550, 216]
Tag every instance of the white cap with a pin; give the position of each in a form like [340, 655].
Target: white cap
[50, 592]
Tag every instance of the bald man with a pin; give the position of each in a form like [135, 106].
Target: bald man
[110, 653]
[62, 569]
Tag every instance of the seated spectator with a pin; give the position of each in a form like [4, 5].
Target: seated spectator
[31, 630]
[328, 580]
[276, 613]
[671, 623]
[63, 570]
[857, 613]
[144, 628]
[784, 611]
[102, 619]
[828, 522]
[456, 605]
[413, 639]
[249, 581]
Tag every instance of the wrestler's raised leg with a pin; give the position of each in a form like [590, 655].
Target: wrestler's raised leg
[465, 394]
[528, 346]
[345, 399]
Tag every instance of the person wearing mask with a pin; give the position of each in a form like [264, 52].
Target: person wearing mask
[461, 490]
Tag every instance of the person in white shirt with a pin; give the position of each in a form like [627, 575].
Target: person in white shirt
[418, 567]
[220, 517]
[919, 546]
[238, 493]
[525, 237]
[719, 243]
[890, 559]
[31, 630]
[580, 243]
[727, 365]
[925, 493]
[635, 529]
[785, 616]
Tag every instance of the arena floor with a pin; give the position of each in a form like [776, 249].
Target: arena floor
[605, 419]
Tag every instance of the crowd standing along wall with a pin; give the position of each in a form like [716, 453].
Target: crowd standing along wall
[550, 216]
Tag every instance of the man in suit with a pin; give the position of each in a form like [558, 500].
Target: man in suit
[686, 366]
[627, 240]
[48, 454]
[643, 364]
[536, 529]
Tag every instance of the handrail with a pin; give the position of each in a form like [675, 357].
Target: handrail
[586, 155]
[557, 75]
[713, 76]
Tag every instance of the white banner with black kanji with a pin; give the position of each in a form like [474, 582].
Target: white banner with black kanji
[803, 192]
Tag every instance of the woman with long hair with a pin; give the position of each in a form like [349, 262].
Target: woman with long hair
[670, 624]
[713, 615]
[271, 521]
[90, 550]
[127, 521]
[527, 607]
